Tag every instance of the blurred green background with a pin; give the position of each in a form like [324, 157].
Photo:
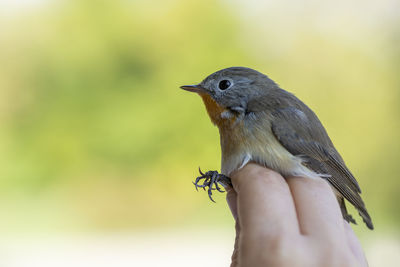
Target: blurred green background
[96, 135]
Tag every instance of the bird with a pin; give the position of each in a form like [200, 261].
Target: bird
[260, 122]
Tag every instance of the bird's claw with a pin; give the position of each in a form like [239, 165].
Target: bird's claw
[211, 180]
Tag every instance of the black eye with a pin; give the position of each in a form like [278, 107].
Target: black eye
[224, 84]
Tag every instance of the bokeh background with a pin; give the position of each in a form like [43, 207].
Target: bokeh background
[98, 145]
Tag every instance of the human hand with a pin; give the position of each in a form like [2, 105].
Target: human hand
[292, 222]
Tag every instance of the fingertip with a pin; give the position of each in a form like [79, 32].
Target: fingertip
[264, 203]
[255, 173]
[309, 183]
[250, 169]
[317, 207]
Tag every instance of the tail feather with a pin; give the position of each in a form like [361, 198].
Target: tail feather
[366, 218]
[362, 211]
[345, 214]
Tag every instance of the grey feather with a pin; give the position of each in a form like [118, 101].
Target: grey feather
[299, 138]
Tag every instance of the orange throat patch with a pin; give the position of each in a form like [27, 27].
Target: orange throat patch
[214, 110]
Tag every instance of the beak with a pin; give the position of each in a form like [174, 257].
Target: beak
[193, 88]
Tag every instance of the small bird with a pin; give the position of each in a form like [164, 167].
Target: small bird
[260, 122]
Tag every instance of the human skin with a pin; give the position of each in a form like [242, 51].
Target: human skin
[288, 222]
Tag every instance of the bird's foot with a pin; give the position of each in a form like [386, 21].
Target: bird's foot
[211, 180]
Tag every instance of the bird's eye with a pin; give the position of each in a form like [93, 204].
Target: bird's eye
[224, 84]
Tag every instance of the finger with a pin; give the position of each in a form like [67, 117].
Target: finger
[354, 244]
[264, 204]
[317, 208]
[235, 254]
[231, 198]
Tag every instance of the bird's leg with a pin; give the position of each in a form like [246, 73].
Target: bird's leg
[211, 179]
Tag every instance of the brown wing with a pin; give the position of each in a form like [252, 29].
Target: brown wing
[306, 137]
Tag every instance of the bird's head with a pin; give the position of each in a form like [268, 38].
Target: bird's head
[227, 92]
